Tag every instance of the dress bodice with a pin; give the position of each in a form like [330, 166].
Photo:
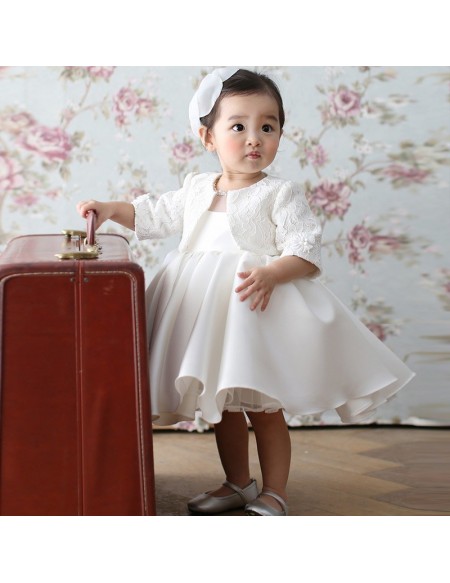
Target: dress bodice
[213, 234]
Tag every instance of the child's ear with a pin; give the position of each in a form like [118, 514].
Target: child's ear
[206, 138]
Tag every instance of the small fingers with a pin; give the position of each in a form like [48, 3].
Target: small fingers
[256, 301]
[250, 288]
[265, 302]
[245, 283]
[86, 202]
[261, 298]
[86, 205]
[253, 286]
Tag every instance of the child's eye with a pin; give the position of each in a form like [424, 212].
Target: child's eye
[267, 128]
[238, 127]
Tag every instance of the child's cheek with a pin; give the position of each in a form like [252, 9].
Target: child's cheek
[233, 145]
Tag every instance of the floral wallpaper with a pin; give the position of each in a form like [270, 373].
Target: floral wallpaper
[371, 145]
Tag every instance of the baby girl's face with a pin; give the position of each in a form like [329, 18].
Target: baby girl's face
[246, 133]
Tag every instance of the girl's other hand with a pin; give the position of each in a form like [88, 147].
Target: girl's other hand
[260, 282]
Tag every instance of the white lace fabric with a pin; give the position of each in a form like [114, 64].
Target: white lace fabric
[270, 217]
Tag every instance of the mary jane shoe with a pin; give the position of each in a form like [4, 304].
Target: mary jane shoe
[207, 504]
[260, 508]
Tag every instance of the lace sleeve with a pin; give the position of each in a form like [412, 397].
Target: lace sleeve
[298, 232]
[163, 217]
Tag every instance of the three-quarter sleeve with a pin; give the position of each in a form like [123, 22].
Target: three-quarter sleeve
[163, 217]
[298, 232]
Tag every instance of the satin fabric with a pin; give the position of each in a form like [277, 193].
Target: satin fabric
[306, 353]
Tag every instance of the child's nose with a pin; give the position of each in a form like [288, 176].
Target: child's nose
[253, 139]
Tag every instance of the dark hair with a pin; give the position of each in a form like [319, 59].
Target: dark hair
[246, 82]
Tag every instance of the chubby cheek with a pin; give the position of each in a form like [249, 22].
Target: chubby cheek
[232, 144]
[272, 146]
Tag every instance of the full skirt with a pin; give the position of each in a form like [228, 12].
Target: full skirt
[305, 354]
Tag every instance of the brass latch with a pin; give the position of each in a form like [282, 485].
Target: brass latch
[79, 246]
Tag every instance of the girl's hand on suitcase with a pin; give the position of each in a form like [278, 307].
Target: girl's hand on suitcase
[118, 211]
[103, 210]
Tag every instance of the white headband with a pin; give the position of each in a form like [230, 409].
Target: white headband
[206, 95]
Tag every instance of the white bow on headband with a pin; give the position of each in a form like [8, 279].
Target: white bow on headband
[206, 95]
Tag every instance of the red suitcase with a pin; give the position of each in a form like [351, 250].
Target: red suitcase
[75, 421]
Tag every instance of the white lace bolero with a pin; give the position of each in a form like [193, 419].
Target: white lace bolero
[270, 217]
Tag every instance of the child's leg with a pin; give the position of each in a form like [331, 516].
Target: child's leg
[232, 442]
[274, 452]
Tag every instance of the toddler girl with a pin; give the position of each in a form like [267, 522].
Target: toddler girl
[239, 326]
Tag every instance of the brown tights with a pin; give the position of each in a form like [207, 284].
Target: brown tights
[274, 451]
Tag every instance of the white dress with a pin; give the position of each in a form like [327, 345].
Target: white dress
[306, 353]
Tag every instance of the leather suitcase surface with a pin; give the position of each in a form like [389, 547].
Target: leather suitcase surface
[75, 423]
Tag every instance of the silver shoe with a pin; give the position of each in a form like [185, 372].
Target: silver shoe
[260, 508]
[207, 504]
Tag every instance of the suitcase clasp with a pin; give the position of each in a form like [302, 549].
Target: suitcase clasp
[78, 255]
[74, 248]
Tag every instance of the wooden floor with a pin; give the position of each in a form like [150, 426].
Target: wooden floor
[351, 471]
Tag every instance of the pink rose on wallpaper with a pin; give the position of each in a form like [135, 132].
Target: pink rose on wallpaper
[345, 103]
[316, 155]
[10, 173]
[145, 107]
[183, 151]
[17, 122]
[332, 198]
[51, 143]
[100, 72]
[26, 199]
[125, 101]
[359, 237]
[355, 256]
[405, 173]
[120, 120]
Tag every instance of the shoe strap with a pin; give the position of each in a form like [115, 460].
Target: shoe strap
[276, 496]
[238, 490]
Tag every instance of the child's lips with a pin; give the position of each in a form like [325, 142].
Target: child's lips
[254, 155]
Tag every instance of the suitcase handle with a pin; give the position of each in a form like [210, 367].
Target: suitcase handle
[89, 234]
[91, 248]
[90, 227]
